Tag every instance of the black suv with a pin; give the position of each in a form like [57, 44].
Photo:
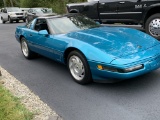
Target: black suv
[144, 12]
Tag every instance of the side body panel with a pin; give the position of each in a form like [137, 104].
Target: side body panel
[4, 14]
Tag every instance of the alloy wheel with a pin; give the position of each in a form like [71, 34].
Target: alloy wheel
[154, 27]
[76, 68]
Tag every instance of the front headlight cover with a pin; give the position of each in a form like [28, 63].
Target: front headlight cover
[113, 69]
[137, 67]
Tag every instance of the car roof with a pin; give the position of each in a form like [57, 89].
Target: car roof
[58, 16]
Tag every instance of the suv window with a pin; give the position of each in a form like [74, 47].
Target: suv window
[4, 11]
[30, 10]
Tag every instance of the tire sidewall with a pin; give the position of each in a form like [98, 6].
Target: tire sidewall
[148, 22]
[23, 39]
[2, 20]
[87, 78]
[9, 18]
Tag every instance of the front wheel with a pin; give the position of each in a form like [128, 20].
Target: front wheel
[79, 68]
[152, 26]
[24, 20]
[25, 49]
[10, 20]
[3, 21]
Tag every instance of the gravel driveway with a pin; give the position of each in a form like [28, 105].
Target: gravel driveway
[28, 98]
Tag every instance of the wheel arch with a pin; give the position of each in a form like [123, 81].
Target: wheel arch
[20, 38]
[74, 11]
[151, 12]
[68, 50]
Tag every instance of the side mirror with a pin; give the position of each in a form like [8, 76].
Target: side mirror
[43, 32]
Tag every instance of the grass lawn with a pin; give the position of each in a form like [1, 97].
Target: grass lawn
[11, 107]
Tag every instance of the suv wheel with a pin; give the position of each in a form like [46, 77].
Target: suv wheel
[27, 20]
[3, 20]
[10, 20]
[152, 26]
[24, 20]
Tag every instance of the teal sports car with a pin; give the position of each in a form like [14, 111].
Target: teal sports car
[91, 52]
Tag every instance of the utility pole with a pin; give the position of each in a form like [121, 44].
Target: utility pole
[11, 3]
[4, 3]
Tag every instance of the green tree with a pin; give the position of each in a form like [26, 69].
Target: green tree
[58, 6]
[9, 3]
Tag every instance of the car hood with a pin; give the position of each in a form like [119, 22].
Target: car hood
[117, 41]
[15, 12]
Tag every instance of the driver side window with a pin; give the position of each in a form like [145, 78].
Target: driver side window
[41, 24]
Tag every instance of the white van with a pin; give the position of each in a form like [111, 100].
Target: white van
[12, 14]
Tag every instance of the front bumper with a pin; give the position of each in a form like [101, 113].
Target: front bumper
[17, 17]
[109, 76]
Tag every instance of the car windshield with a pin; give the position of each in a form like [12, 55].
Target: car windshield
[13, 10]
[43, 10]
[68, 24]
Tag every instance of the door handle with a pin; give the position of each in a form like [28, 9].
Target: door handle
[121, 2]
[30, 35]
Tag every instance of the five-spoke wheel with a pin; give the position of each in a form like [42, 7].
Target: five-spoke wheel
[79, 68]
[25, 49]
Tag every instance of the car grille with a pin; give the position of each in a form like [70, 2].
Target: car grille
[19, 13]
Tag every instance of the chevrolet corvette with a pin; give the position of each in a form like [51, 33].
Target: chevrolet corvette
[90, 51]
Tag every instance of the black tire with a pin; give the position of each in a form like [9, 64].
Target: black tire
[17, 21]
[3, 21]
[153, 20]
[24, 20]
[27, 53]
[10, 20]
[87, 77]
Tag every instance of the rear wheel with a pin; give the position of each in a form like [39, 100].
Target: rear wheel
[25, 49]
[79, 68]
[152, 26]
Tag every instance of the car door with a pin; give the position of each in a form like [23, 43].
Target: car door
[4, 14]
[130, 11]
[43, 44]
[108, 10]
